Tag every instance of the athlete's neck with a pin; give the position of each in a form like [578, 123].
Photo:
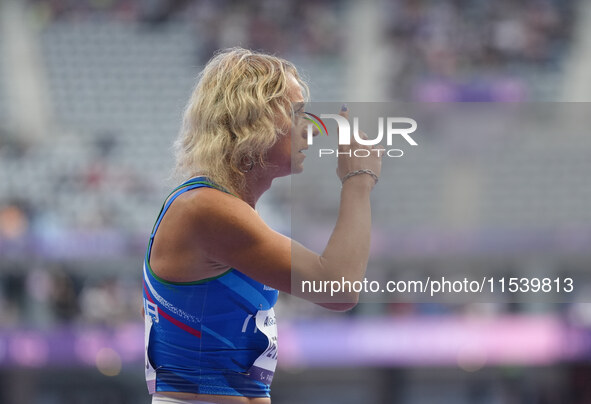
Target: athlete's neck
[256, 185]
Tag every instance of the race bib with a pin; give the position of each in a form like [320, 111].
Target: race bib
[263, 367]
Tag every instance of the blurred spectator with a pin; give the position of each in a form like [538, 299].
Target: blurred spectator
[14, 222]
[63, 297]
[465, 50]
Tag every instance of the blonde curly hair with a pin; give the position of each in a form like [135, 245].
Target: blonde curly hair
[231, 118]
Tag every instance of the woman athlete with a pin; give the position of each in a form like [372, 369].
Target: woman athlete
[213, 268]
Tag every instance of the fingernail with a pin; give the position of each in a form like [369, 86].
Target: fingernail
[344, 108]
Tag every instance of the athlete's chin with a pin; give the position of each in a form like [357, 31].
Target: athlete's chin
[297, 168]
[297, 163]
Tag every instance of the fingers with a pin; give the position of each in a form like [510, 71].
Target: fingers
[344, 112]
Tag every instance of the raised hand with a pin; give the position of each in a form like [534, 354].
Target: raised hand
[357, 159]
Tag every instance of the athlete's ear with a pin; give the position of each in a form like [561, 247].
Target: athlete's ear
[143, 312]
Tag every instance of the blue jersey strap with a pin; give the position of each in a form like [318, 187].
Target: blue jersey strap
[194, 183]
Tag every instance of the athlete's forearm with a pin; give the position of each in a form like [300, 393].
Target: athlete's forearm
[347, 251]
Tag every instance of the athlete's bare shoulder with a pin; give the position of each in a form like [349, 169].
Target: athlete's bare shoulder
[218, 217]
[228, 231]
[205, 205]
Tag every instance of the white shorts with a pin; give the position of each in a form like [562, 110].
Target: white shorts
[161, 399]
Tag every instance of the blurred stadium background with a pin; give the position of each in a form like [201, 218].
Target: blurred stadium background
[91, 96]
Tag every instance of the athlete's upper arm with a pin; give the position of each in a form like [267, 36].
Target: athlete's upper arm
[229, 231]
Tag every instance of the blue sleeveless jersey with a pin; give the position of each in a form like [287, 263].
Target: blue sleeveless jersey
[214, 336]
